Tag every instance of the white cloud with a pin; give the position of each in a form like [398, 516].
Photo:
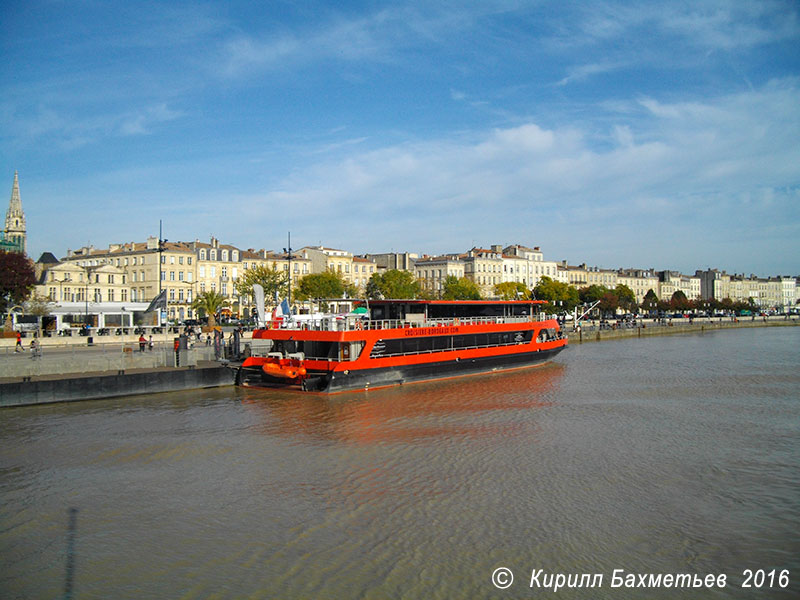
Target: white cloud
[671, 164]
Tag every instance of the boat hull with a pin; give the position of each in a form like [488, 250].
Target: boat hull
[371, 378]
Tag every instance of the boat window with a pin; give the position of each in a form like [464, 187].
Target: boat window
[319, 350]
[442, 343]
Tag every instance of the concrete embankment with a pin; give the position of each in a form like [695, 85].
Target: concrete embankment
[594, 334]
[44, 390]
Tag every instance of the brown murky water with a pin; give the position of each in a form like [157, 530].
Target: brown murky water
[670, 455]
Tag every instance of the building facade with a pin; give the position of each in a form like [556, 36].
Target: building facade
[485, 268]
[640, 281]
[780, 293]
[432, 272]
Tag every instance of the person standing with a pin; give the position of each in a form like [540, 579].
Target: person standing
[142, 342]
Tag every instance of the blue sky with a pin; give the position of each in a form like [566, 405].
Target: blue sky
[649, 134]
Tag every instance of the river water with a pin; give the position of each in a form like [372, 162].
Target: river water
[667, 455]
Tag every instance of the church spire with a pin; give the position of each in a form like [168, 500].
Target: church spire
[15, 219]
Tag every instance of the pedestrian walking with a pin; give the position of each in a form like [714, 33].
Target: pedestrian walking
[18, 347]
[150, 344]
[142, 342]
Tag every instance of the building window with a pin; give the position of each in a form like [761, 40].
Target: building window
[124, 295]
[188, 260]
[225, 255]
[180, 275]
[172, 275]
[224, 271]
[172, 294]
[180, 260]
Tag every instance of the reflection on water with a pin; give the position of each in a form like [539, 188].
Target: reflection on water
[666, 455]
[408, 413]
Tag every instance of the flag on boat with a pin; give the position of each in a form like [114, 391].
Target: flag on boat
[159, 301]
[282, 310]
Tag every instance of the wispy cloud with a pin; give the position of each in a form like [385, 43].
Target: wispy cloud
[69, 131]
[582, 72]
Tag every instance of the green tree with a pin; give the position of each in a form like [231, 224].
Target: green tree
[460, 289]
[319, 286]
[394, 284]
[625, 297]
[209, 303]
[17, 279]
[593, 293]
[271, 279]
[560, 296]
[650, 301]
[512, 290]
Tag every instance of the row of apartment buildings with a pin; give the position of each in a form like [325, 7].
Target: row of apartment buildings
[136, 272]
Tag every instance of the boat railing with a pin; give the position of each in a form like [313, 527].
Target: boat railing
[354, 323]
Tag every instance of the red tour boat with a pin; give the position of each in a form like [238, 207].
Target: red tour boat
[400, 341]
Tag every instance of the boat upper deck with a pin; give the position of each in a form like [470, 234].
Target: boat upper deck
[357, 322]
[402, 314]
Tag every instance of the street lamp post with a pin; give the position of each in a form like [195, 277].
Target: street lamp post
[161, 247]
[288, 251]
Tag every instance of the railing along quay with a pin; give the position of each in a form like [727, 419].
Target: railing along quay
[595, 330]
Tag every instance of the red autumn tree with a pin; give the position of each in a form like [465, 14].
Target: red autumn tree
[17, 279]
